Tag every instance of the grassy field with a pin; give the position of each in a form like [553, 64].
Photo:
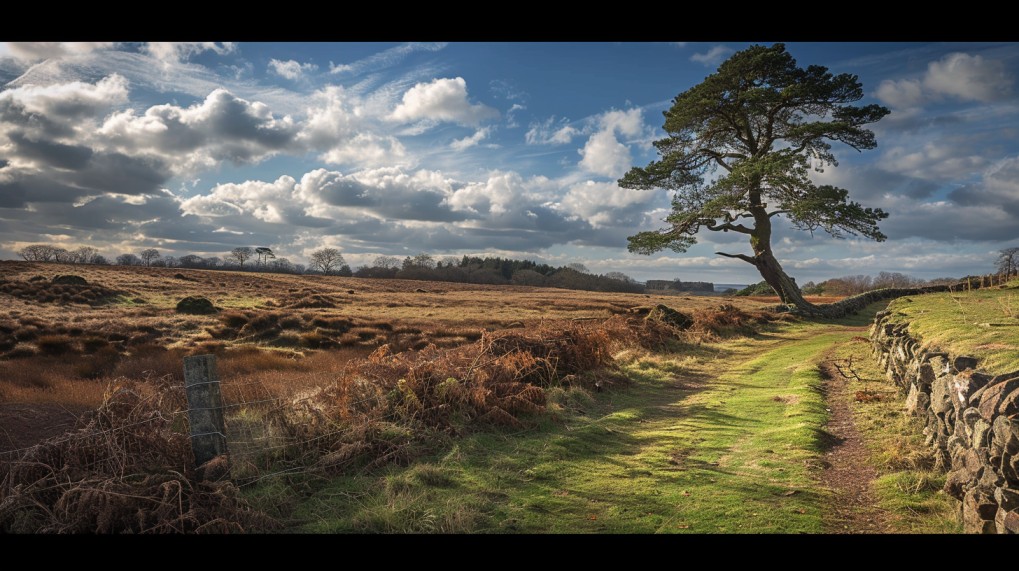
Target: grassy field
[490, 430]
[982, 323]
[715, 437]
[292, 331]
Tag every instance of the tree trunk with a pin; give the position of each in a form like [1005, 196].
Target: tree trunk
[783, 285]
[765, 261]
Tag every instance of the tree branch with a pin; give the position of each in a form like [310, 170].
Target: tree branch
[770, 214]
[744, 257]
[729, 226]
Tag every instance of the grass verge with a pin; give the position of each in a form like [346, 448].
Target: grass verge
[720, 437]
[907, 488]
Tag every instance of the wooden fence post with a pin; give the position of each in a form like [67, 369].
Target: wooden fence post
[205, 408]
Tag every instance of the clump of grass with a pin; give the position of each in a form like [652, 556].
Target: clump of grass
[111, 475]
[54, 345]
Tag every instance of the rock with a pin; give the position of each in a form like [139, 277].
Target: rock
[917, 401]
[1007, 498]
[941, 398]
[1009, 405]
[963, 385]
[981, 430]
[70, 280]
[993, 396]
[978, 512]
[350, 291]
[961, 363]
[1010, 524]
[670, 316]
[196, 305]
[966, 471]
[1004, 438]
[420, 290]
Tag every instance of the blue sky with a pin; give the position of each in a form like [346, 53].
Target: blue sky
[509, 149]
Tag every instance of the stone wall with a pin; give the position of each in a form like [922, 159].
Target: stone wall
[970, 420]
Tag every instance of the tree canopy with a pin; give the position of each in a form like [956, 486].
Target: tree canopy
[738, 152]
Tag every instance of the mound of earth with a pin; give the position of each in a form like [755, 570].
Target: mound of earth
[70, 280]
[670, 316]
[196, 305]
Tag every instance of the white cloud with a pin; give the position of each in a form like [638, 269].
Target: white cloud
[550, 132]
[603, 153]
[291, 69]
[941, 160]
[264, 200]
[471, 140]
[957, 75]
[68, 100]
[605, 204]
[386, 58]
[176, 52]
[344, 128]
[712, 57]
[440, 100]
[222, 127]
[36, 51]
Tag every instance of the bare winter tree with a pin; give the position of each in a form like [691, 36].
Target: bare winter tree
[86, 255]
[128, 260]
[149, 255]
[38, 253]
[1008, 261]
[326, 260]
[241, 254]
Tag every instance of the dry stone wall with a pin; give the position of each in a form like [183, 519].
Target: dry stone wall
[970, 420]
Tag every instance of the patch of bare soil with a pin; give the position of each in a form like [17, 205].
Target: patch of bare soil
[848, 474]
[23, 425]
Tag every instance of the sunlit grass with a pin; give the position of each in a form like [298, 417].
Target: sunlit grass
[983, 323]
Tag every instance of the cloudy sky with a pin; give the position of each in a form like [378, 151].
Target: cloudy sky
[508, 149]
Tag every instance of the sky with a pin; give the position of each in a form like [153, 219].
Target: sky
[502, 149]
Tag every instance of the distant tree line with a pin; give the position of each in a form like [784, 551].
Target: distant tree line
[852, 285]
[330, 261]
[680, 285]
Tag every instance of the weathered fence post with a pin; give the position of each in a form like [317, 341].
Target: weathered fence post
[205, 408]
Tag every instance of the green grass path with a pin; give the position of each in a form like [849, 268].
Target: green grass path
[718, 438]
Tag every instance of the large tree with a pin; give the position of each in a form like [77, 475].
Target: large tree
[326, 260]
[739, 149]
[1008, 261]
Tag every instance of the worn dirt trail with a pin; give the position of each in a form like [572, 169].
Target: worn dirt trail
[853, 507]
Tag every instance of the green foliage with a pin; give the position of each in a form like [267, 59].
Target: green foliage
[760, 123]
[759, 288]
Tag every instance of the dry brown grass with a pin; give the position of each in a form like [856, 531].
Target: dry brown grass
[127, 468]
[150, 338]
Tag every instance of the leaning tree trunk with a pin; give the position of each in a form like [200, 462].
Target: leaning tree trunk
[783, 285]
[767, 264]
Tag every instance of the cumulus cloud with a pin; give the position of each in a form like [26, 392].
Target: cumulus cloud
[603, 153]
[551, 132]
[37, 51]
[605, 204]
[957, 75]
[222, 127]
[60, 110]
[176, 52]
[343, 129]
[998, 188]
[713, 56]
[291, 69]
[442, 100]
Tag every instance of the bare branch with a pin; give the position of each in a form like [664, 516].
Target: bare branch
[744, 257]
